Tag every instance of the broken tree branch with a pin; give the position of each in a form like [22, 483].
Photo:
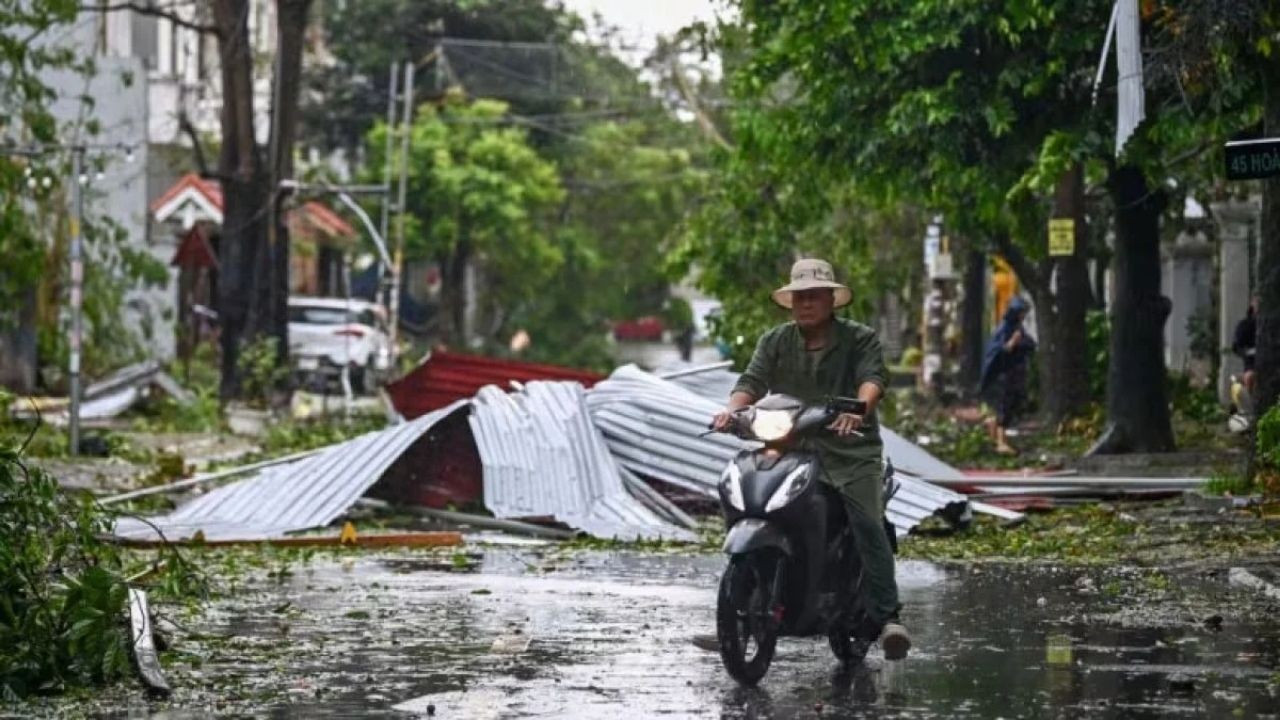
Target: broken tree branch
[165, 12]
[186, 126]
[704, 120]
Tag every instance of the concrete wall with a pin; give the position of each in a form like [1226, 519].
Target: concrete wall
[1238, 222]
[117, 188]
[1186, 278]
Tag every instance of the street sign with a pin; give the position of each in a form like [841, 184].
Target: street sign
[1253, 159]
[1062, 237]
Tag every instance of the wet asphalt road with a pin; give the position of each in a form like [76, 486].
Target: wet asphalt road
[534, 633]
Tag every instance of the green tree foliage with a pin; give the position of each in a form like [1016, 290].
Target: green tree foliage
[863, 107]
[616, 171]
[63, 588]
[478, 191]
[630, 184]
[974, 110]
[26, 119]
[34, 201]
[61, 591]
[1267, 453]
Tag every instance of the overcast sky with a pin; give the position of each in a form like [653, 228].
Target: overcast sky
[643, 20]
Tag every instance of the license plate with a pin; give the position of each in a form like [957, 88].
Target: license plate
[308, 363]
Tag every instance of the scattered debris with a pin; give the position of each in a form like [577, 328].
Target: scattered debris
[656, 501]
[106, 398]
[542, 455]
[444, 378]
[382, 540]
[301, 495]
[656, 426]
[307, 405]
[1243, 578]
[491, 523]
[144, 644]
[206, 478]
[1039, 484]
[550, 449]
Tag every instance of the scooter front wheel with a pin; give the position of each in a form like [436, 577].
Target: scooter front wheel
[744, 623]
[847, 650]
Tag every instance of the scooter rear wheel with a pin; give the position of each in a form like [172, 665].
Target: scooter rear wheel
[744, 627]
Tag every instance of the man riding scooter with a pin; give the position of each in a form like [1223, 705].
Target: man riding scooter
[818, 356]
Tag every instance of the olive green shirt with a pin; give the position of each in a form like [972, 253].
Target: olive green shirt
[851, 357]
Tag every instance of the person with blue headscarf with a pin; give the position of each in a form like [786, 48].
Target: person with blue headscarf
[1003, 383]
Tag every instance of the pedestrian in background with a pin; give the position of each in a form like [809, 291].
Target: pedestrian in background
[1245, 343]
[1003, 382]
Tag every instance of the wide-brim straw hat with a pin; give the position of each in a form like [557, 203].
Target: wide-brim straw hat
[812, 274]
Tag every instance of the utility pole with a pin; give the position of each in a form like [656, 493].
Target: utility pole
[401, 204]
[77, 287]
[75, 259]
[384, 287]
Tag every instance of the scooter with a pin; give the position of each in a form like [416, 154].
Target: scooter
[791, 571]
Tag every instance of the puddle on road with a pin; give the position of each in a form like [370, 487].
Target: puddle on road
[606, 633]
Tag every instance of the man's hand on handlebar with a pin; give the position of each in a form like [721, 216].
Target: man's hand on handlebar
[846, 424]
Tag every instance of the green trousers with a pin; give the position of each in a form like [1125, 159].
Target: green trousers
[860, 484]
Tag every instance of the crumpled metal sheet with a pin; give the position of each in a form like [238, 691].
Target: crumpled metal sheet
[715, 384]
[307, 494]
[542, 456]
[654, 427]
[107, 397]
[657, 429]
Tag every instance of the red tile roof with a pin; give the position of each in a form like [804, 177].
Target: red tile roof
[446, 377]
[209, 188]
[313, 220]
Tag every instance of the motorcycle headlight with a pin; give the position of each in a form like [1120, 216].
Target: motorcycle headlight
[771, 425]
[792, 486]
[732, 480]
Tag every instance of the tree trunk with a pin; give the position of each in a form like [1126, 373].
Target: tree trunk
[1060, 325]
[972, 311]
[1137, 397]
[1268, 290]
[1065, 387]
[253, 254]
[291, 24]
[245, 193]
[454, 292]
[18, 348]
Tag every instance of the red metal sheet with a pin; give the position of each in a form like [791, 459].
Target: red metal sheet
[441, 470]
[646, 328]
[446, 377]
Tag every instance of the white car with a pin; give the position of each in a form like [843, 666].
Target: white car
[328, 334]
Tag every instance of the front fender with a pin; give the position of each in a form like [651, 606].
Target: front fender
[750, 534]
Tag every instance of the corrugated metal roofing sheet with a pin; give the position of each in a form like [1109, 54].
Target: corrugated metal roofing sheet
[715, 383]
[307, 494]
[542, 456]
[447, 377]
[653, 426]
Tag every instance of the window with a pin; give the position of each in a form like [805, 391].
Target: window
[314, 315]
[144, 33]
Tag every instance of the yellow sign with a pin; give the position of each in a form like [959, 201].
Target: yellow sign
[1062, 236]
[348, 536]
